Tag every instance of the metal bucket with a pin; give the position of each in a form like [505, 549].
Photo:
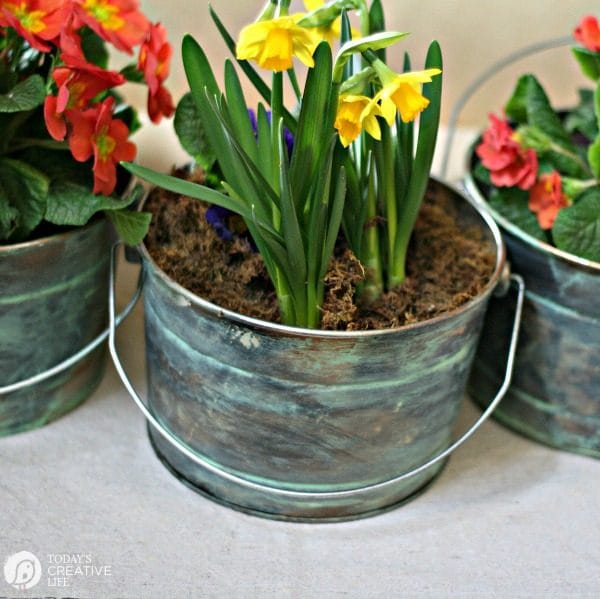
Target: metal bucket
[302, 424]
[555, 394]
[52, 303]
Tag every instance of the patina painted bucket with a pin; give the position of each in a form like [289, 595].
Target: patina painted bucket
[555, 394]
[52, 304]
[302, 424]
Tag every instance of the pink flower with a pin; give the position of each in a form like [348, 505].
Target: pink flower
[587, 33]
[546, 198]
[509, 164]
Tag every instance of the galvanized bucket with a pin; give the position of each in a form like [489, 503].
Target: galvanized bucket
[302, 424]
[555, 394]
[52, 304]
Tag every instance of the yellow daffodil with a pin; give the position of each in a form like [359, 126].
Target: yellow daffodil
[332, 32]
[273, 43]
[354, 114]
[402, 92]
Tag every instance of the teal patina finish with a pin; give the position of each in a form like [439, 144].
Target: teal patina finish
[555, 394]
[52, 303]
[306, 410]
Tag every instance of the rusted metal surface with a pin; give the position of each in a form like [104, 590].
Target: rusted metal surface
[555, 394]
[305, 410]
[52, 303]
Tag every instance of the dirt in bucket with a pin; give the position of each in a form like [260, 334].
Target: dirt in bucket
[446, 267]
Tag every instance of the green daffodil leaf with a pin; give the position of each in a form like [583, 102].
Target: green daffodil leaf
[577, 228]
[375, 42]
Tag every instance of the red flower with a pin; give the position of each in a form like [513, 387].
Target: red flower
[509, 164]
[78, 83]
[96, 133]
[155, 55]
[116, 21]
[36, 21]
[587, 33]
[160, 104]
[546, 198]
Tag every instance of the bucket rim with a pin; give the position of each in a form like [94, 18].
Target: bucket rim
[54, 238]
[474, 191]
[221, 313]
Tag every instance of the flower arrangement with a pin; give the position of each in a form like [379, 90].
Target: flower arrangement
[543, 166]
[65, 127]
[352, 165]
[351, 168]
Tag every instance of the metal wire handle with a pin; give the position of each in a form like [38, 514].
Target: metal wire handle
[482, 78]
[225, 474]
[72, 360]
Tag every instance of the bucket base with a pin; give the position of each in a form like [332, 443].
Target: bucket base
[283, 517]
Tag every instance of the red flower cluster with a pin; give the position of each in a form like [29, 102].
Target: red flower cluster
[509, 164]
[587, 33]
[77, 112]
[546, 198]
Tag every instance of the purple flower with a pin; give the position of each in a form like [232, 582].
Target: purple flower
[217, 218]
[287, 136]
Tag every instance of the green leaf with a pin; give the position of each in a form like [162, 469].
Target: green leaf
[9, 217]
[26, 95]
[588, 61]
[26, 190]
[73, 204]
[190, 130]
[131, 226]
[540, 114]
[132, 73]
[577, 228]
[594, 157]
[428, 128]
[583, 117]
[374, 42]
[513, 204]
[94, 48]
[327, 13]
[314, 124]
[516, 107]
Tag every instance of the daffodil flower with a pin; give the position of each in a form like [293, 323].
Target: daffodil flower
[402, 92]
[274, 42]
[355, 113]
[331, 32]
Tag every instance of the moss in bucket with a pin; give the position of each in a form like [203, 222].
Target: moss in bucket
[447, 266]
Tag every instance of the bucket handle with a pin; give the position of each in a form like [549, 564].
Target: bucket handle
[75, 358]
[481, 79]
[250, 484]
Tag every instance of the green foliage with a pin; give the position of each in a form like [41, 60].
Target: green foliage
[588, 61]
[512, 204]
[189, 127]
[577, 228]
[26, 95]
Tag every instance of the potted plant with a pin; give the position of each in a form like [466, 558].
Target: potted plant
[64, 130]
[306, 406]
[538, 172]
